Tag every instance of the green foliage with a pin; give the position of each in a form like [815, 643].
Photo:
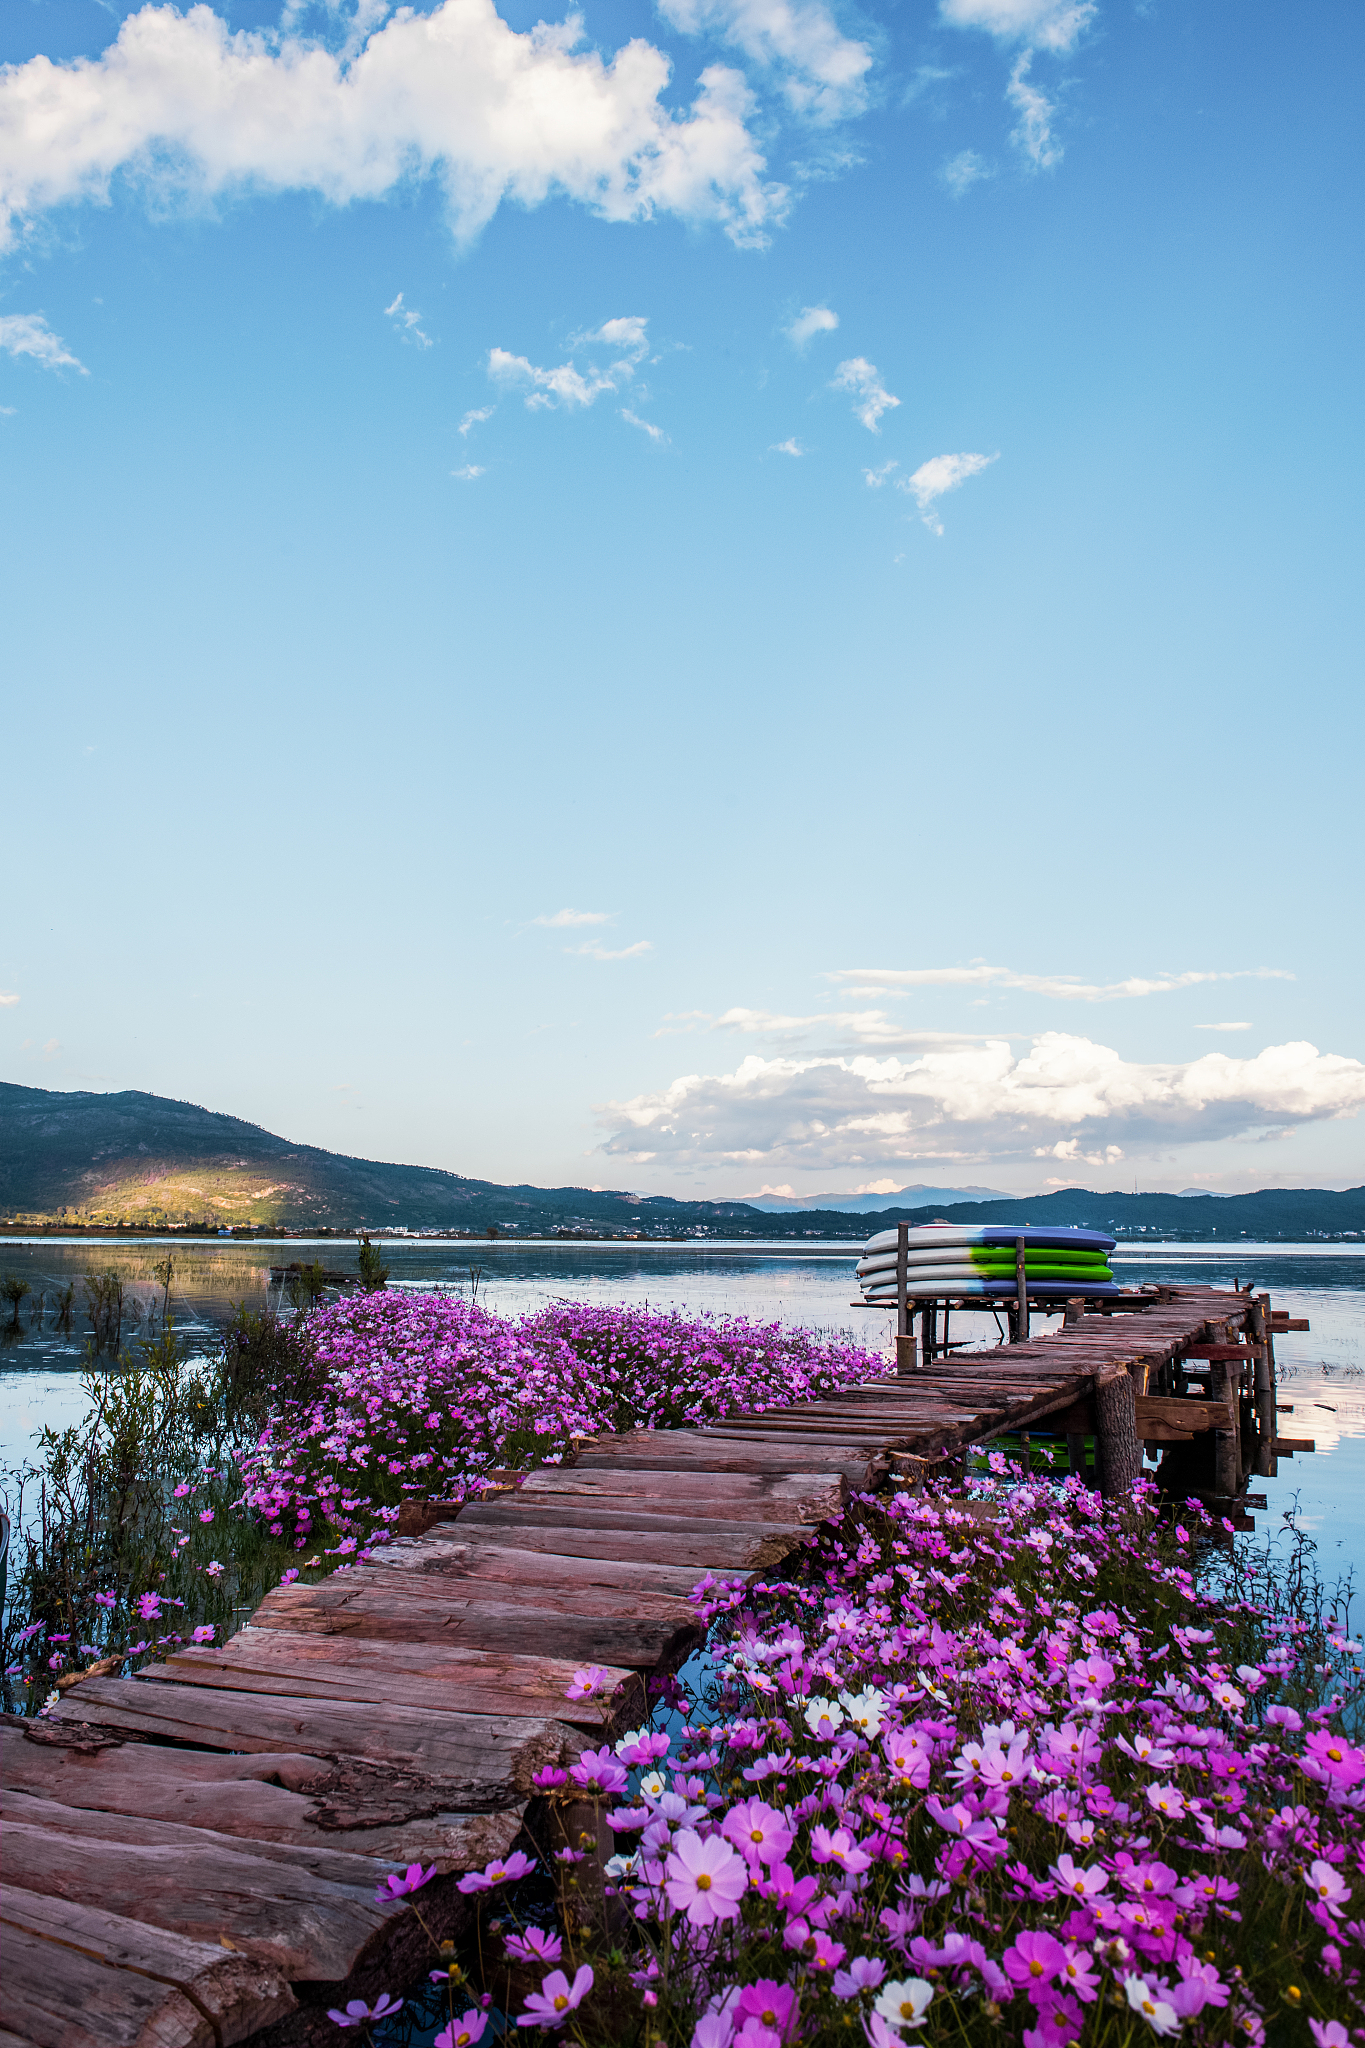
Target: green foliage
[307, 1286]
[374, 1273]
[14, 1289]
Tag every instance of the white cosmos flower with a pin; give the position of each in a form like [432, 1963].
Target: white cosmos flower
[1160, 2017]
[865, 1709]
[653, 1785]
[829, 1711]
[904, 2004]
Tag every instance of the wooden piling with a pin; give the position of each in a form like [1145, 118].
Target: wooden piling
[1118, 1453]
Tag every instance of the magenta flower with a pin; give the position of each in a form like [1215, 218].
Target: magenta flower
[586, 1682]
[463, 2032]
[1167, 1800]
[1327, 1886]
[398, 1886]
[598, 1772]
[1032, 1960]
[556, 1999]
[1329, 2034]
[534, 1945]
[502, 1870]
[204, 1633]
[705, 1878]
[549, 1779]
[864, 1973]
[713, 2030]
[1336, 1759]
[757, 1831]
[149, 1607]
[357, 2013]
[772, 2004]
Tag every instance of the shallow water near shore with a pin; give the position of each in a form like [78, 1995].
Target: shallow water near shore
[1321, 1372]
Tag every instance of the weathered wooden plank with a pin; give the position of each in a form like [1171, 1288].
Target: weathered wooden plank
[451, 1553]
[480, 1761]
[802, 1497]
[704, 1545]
[305, 1802]
[688, 1449]
[76, 1976]
[407, 1674]
[200, 1885]
[479, 1620]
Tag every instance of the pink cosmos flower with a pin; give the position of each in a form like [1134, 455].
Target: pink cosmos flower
[1081, 1881]
[1335, 1758]
[463, 2032]
[205, 1633]
[534, 1945]
[1033, 1959]
[598, 1772]
[1327, 1886]
[586, 1682]
[206, 1514]
[549, 1779]
[556, 1999]
[502, 1870]
[357, 2013]
[1078, 1975]
[705, 1878]
[773, 2005]
[149, 1607]
[864, 1973]
[823, 1955]
[106, 1599]
[757, 1831]
[713, 2030]
[838, 1846]
[1329, 2034]
[1167, 1799]
[398, 1886]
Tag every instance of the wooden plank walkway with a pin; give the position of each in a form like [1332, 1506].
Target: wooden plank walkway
[192, 1853]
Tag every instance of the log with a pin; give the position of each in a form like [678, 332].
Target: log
[486, 1623]
[460, 1554]
[77, 1976]
[287, 1799]
[737, 1497]
[1117, 1452]
[480, 1762]
[706, 1545]
[200, 1885]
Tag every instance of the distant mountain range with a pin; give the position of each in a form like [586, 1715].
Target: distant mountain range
[135, 1159]
[918, 1196]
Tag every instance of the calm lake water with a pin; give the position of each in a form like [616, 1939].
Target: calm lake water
[1322, 1372]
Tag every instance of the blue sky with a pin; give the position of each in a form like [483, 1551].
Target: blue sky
[740, 594]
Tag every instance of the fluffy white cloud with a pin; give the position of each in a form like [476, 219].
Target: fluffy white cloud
[979, 974]
[8, 998]
[1044, 24]
[1222, 1027]
[408, 321]
[1066, 1097]
[469, 472]
[939, 474]
[632, 419]
[476, 418]
[870, 396]
[595, 952]
[809, 322]
[963, 171]
[559, 920]
[183, 104]
[875, 478]
[792, 447]
[28, 334]
[568, 385]
[823, 72]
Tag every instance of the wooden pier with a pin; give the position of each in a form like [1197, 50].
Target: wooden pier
[192, 1854]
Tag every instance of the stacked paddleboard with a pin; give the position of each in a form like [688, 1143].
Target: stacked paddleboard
[946, 1260]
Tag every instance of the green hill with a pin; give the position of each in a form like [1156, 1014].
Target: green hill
[135, 1159]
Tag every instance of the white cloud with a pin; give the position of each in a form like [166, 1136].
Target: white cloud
[656, 434]
[567, 384]
[1069, 986]
[809, 322]
[595, 952]
[792, 447]
[870, 397]
[1033, 133]
[969, 1102]
[408, 321]
[963, 171]
[560, 919]
[875, 478]
[191, 110]
[476, 417]
[1043, 24]
[8, 998]
[28, 334]
[1222, 1027]
[939, 474]
[823, 72]
[469, 472]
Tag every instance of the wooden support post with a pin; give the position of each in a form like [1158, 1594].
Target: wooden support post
[1075, 1309]
[902, 1281]
[1262, 1324]
[906, 1361]
[1021, 1292]
[1224, 1386]
[1118, 1454]
[1075, 1452]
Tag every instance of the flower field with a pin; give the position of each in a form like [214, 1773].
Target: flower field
[996, 1771]
[429, 1393]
